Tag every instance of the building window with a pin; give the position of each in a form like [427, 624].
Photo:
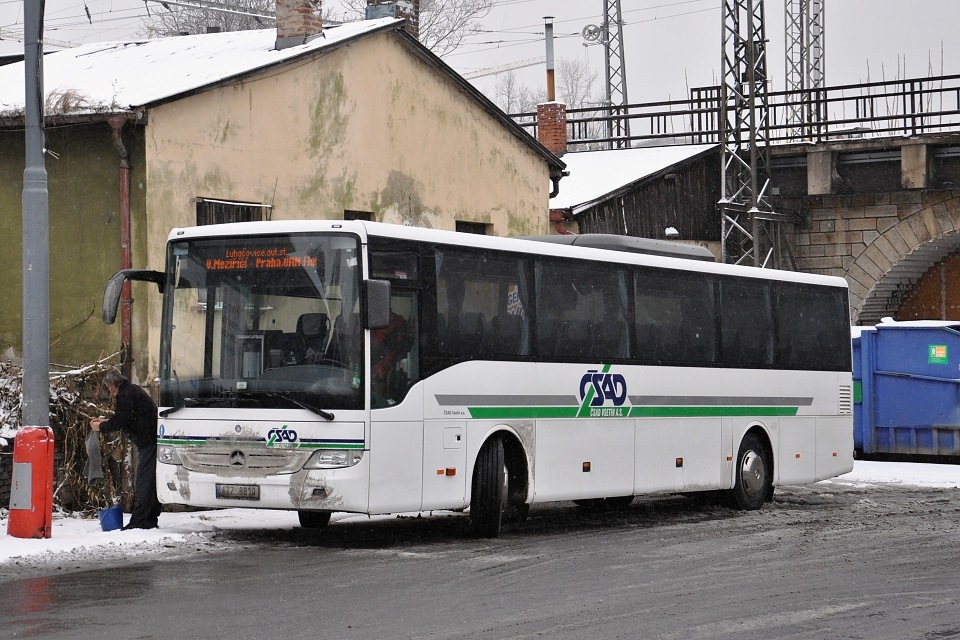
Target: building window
[210, 211]
[480, 228]
[357, 215]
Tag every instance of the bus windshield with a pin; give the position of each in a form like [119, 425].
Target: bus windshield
[263, 322]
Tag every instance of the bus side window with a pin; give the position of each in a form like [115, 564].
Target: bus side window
[805, 319]
[746, 323]
[481, 303]
[591, 300]
[676, 320]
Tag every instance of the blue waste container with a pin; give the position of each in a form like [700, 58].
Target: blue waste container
[907, 389]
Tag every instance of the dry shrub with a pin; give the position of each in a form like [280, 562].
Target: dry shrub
[76, 396]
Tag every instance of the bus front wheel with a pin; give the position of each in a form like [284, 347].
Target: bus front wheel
[313, 519]
[488, 496]
[752, 482]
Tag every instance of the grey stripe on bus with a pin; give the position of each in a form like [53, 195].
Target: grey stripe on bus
[453, 400]
[501, 400]
[724, 401]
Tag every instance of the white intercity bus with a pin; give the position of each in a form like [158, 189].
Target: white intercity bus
[324, 366]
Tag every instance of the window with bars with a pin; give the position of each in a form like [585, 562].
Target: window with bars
[210, 211]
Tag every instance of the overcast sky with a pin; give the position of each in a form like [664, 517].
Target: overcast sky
[670, 45]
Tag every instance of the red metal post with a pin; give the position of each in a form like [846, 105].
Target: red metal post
[31, 493]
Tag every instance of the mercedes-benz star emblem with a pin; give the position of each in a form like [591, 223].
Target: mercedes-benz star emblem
[237, 459]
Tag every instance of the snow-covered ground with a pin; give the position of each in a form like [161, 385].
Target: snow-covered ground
[79, 541]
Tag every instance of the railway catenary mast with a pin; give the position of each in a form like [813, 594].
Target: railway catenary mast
[618, 127]
[751, 231]
[805, 66]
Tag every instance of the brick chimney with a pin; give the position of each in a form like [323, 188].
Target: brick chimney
[552, 126]
[409, 10]
[297, 22]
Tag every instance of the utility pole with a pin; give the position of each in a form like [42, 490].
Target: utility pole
[751, 232]
[31, 490]
[36, 231]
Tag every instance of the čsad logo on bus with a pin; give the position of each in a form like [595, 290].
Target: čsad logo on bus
[598, 388]
[277, 437]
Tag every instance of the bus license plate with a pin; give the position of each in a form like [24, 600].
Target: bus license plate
[238, 491]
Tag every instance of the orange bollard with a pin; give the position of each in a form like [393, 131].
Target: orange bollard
[31, 493]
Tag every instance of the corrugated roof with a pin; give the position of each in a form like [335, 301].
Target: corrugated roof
[594, 175]
[122, 76]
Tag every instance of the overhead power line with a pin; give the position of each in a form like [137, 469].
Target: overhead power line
[18, 36]
[205, 5]
[520, 64]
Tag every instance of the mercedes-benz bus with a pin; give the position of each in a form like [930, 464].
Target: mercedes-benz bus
[350, 366]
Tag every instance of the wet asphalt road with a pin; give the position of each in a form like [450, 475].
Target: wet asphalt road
[829, 561]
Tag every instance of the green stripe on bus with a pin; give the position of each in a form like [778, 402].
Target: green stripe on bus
[285, 445]
[633, 412]
[693, 412]
[326, 445]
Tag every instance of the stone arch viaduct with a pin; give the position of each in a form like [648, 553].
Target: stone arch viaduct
[882, 213]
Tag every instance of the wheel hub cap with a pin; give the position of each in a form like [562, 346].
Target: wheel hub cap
[752, 473]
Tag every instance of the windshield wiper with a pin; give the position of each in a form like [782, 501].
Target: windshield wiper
[303, 405]
[190, 402]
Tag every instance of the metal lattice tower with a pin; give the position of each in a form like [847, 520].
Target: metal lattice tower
[751, 231]
[804, 64]
[617, 127]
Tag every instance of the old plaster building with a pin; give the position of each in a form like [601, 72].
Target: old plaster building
[358, 120]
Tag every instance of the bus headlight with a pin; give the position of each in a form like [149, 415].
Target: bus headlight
[334, 458]
[167, 454]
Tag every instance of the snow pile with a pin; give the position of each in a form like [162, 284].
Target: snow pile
[906, 473]
[78, 541]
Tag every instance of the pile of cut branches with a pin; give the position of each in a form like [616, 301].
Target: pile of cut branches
[76, 396]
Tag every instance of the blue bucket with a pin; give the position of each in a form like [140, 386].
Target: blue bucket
[111, 518]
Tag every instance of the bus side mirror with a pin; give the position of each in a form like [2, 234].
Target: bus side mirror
[378, 303]
[111, 293]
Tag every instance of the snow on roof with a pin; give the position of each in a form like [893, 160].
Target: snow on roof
[121, 76]
[595, 174]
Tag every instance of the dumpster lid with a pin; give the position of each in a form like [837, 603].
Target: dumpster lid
[855, 331]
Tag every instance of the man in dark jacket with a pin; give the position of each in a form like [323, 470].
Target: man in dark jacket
[135, 414]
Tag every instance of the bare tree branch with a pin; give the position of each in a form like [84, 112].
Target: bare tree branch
[575, 82]
[513, 96]
[173, 20]
[443, 23]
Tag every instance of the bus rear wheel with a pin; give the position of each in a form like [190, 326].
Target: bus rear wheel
[488, 495]
[314, 519]
[752, 483]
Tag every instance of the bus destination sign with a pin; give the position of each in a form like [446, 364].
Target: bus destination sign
[247, 259]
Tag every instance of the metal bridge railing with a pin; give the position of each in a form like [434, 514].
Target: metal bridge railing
[873, 109]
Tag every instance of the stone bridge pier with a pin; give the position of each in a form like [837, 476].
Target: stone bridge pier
[884, 214]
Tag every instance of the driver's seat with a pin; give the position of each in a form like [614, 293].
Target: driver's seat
[313, 329]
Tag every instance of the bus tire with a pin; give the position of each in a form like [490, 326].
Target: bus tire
[488, 495]
[314, 519]
[752, 476]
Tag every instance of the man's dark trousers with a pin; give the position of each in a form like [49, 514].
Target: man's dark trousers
[146, 507]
